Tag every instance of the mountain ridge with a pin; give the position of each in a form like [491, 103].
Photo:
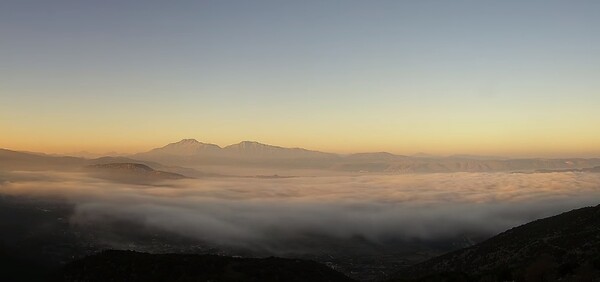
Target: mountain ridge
[564, 247]
[193, 152]
[179, 156]
[194, 146]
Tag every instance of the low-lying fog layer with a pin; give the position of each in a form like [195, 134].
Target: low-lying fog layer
[263, 213]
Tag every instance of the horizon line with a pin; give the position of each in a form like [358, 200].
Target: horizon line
[419, 154]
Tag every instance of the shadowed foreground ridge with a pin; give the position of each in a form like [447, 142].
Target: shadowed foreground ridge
[564, 247]
[133, 266]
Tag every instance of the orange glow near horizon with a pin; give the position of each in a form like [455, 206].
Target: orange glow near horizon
[531, 146]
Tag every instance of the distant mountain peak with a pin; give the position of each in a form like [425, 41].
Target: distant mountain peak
[250, 144]
[255, 148]
[191, 143]
[185, 147]
[188, 141]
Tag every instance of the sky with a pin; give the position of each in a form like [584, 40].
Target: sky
[511, 78]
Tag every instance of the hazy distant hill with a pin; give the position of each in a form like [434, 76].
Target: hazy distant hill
[134, 266]
[564, 247]
[13, 160]
[400, 164]
[376, 156]
[155, 165]
[591, 169]
[473, 165]
[131, 171]
[90, 155]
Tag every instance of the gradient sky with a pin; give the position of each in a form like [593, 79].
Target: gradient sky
[518, 78]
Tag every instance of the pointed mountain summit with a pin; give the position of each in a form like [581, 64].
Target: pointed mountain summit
[256, 147]
[186, 147]
[251, 146]
[184, 152]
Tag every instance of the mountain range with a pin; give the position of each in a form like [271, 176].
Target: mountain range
[188, 155]
[189, 152]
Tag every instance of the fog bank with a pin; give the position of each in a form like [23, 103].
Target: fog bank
[266, 214]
